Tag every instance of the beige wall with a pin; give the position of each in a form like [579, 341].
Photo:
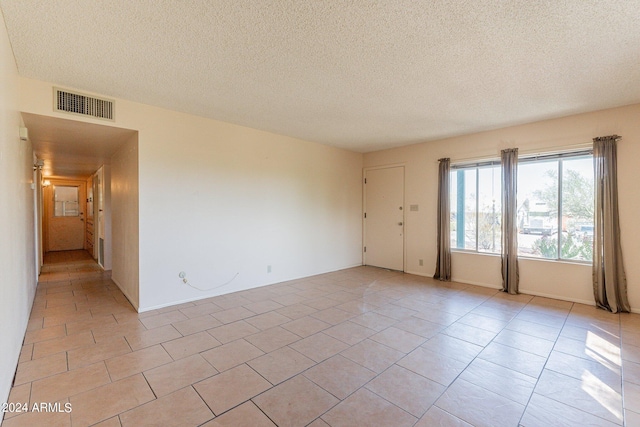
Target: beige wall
[124, 219]
[17, 238]
[223, 202]
[563, 280]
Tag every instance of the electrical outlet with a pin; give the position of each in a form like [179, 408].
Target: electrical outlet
[420, 262]
[268, 269]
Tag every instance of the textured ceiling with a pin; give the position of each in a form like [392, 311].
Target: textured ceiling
[362, 75]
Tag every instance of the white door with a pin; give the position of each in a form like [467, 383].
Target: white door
[384, 218]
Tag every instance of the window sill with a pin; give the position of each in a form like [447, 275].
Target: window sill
[563, 261]
[472, 252]
[523, 257]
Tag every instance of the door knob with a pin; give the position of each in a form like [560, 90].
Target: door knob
[399, 223]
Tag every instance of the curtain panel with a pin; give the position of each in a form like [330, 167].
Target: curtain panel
[609, 279]
[510, 273]
[443, 261]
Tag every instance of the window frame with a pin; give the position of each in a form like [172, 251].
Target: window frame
[475, 166]
[559, 156]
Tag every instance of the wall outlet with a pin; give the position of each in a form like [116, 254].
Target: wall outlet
[268, 269]
[421, 262]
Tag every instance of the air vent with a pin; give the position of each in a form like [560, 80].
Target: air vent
[85, 105]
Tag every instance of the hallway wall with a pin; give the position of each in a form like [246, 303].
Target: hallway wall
[230, 206]
[124, 220]
[17, 237]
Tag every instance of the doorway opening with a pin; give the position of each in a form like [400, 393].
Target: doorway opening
[73, 182]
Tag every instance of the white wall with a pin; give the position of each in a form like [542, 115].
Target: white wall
[124, 208]
[17, 239]
[221, 202]
[562, 280]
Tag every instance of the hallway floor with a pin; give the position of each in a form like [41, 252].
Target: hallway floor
[358, 347]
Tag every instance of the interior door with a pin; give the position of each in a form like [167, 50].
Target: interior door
[66, 216]
[384, 218]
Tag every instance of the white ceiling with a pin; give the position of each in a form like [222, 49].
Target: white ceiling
[363, 75]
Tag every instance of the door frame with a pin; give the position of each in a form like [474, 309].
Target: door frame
[364, 207]
[48, 207]
[99, 208]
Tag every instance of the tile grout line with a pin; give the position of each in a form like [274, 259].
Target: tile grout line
[545, 364]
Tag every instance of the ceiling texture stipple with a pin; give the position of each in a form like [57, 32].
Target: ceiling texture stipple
[361, 75]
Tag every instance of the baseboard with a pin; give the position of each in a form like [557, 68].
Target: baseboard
[558, 297]
[471, 282]
[415, 273]
[201, 297]
[125, 293]
[466, 282]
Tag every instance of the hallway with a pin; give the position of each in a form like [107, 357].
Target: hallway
[356, 347]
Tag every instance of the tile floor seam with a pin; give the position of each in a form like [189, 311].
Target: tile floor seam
[236, 405]
[622, 387]
[260, 409]
[545, 365]
[567, 404]
[477, 356]
[382, 397]
[390, 292]
[205, 402]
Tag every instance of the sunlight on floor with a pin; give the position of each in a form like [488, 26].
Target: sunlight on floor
[603, 394]
[603, 351]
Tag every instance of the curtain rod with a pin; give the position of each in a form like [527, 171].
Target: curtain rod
[545, 150]
[605, 138]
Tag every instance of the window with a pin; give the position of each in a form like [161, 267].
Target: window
[475, 202]
[555, 207]
[66, 201]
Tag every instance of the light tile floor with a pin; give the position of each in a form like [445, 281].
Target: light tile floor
[359, 347]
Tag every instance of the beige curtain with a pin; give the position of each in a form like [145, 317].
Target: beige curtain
[510, 274]
[609, 280]
[443, 262]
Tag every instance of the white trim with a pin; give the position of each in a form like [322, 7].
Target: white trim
[471, 282]
[542, 294]
[388, 166]
[201, 297]
[525, 153]
[468, 282]
[415, 273]
[556, 150]
[125, 293]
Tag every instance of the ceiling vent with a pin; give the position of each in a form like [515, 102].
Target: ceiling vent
[85, 105]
